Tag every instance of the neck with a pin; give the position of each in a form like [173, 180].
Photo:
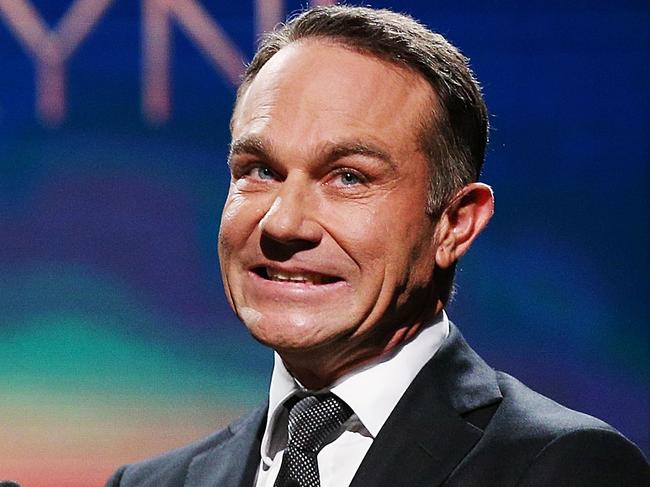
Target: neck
[319, 368]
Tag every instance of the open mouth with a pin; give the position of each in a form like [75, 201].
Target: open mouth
[277, 275]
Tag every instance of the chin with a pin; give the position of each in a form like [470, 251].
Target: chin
[292, 332]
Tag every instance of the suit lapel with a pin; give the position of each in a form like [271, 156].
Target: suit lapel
[431, 429]
[234, 461]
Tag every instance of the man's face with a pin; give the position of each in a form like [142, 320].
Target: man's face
[325, 244]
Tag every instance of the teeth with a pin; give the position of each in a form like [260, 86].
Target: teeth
[302, 277]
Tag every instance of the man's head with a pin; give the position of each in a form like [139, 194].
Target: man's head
[330, 250]
[453, 132]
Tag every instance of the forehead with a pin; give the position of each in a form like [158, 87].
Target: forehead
[321, 89]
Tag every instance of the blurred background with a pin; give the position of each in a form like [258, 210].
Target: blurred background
[116, 341]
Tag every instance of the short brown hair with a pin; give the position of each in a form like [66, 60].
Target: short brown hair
[455, 132]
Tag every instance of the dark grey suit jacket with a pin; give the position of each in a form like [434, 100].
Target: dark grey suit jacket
[460, 423]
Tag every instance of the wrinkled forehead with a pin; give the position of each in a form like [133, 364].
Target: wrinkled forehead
[325, 71]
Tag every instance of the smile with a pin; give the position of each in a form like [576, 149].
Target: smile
[297, 277]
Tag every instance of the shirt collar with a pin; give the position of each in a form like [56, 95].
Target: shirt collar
[372, 391]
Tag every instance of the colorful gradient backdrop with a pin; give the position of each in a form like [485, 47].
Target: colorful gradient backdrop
[115, 338]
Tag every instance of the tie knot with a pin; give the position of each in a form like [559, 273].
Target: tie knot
[313, 419]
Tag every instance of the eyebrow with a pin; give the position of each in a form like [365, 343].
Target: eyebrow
[250, 145]
[343, 149]
[333, 151]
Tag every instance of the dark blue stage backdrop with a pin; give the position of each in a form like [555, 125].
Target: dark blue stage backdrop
[115, 338]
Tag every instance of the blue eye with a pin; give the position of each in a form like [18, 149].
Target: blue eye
[263, 172]
[349, 178]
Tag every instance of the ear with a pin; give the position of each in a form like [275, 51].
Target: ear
[461, 222]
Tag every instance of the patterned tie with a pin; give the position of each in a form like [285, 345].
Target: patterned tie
[311, 421]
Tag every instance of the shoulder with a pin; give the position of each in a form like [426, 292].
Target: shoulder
[171, 468]
[554, 445]
[530, 413]
[587, 457]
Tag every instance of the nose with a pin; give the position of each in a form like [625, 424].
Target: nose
[290, 219]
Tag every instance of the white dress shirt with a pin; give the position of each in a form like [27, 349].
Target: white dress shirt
[372, 392]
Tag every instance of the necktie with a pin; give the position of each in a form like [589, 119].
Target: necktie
[311, 421]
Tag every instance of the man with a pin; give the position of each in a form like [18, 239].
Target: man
[357, 141]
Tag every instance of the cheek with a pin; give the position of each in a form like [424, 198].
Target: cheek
[232, 207]
[384, 231]
[422, 255]
[401, 245]
[361, 232]
[240, 217]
